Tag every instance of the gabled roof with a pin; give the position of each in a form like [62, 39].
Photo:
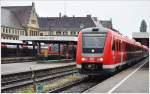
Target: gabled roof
[9, 19]
[22, 13]
[65, 22]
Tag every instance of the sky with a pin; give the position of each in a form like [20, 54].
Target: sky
[126, 15]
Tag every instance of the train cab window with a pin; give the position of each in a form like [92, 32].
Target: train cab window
[93, 43]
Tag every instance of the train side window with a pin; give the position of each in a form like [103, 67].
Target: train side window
[117, 45]
[123, 46]
[113, 46]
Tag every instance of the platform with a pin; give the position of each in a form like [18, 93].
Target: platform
[132, 80]
[22, 67]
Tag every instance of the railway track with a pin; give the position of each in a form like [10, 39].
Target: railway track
[80, 85]
[87, 82]
[13, 82]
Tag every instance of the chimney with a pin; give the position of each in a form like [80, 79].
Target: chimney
[60, 14]
[33, 5]
[73, 16]
[88, 15]
[95, 18]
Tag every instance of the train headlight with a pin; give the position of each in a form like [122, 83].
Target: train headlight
[100, 59]
[83, 59]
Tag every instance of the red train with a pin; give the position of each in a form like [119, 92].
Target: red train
[104, 50]
[54, 51]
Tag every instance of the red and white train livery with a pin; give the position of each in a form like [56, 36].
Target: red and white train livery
[104, 50]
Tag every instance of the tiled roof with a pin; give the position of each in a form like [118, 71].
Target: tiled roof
[65, 22]
[22, 13]
[9, 19]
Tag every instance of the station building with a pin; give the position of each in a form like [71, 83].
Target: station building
[21, 25]
[142, 37]
[65, 26]
[23, 21]
[18, 21]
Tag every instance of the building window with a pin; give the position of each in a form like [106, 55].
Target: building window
[77, 33]
[33, 21]
[24, 32]
[12, 31]
[35, 33]
[30, 32]
[58, 33]
[72, 33]
[65, 33]
[6, 30]
[18, 31]
[41, 34]
[15, 31]
[3, 30]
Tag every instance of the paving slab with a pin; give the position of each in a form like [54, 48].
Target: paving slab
[136, 83]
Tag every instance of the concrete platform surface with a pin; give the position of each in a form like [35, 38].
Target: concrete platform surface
[132, 80]
[22, 67]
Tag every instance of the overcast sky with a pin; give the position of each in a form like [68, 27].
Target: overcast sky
[126, 15]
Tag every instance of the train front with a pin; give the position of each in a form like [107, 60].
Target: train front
[90, 49]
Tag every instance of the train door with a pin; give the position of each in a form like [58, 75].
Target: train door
[118, 51]
[121, 51]
[115, 48]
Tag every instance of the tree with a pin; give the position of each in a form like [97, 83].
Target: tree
[143, 26]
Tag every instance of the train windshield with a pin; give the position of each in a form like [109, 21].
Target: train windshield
[93, 43]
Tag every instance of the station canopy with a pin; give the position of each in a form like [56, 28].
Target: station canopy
[51, 39]
[11, 41]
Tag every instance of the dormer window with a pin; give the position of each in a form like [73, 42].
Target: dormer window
[33, 21]
[81, 26]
